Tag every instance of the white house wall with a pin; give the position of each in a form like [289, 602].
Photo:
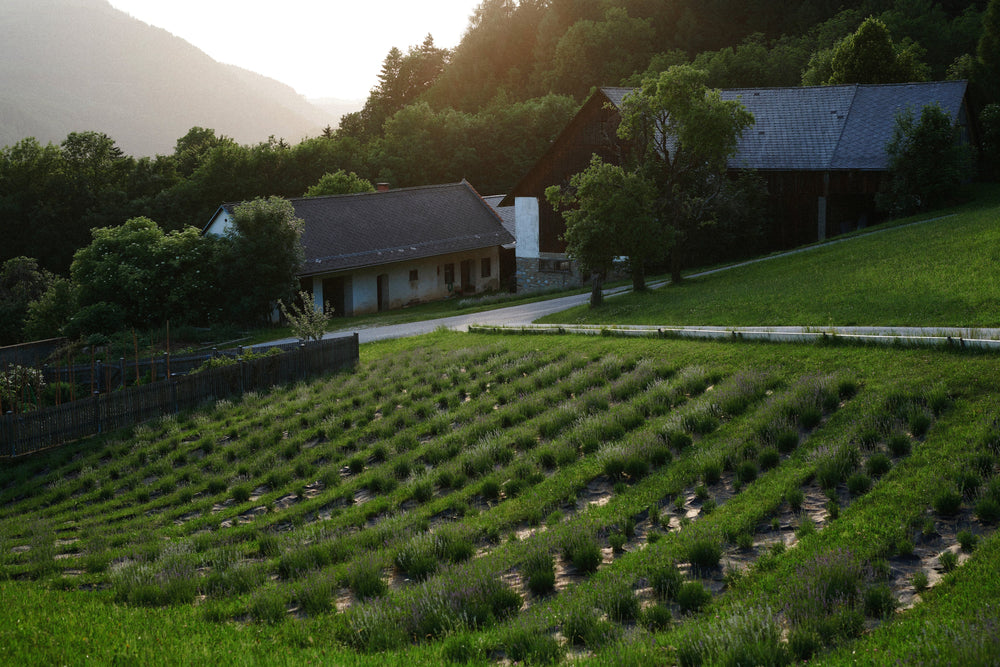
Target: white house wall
[220, 224]
[361, 288]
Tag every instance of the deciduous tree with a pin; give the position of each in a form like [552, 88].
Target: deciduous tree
[927, 164]
[264, 254]
[680, 135]
[870, 56]
[609, 214]
[339, 183]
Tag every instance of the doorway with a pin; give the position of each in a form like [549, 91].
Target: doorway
[383, 292]
[468, 278]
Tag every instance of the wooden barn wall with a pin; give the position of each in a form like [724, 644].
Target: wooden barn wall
[592, 131]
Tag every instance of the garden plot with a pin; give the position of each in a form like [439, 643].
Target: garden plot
[536, 499]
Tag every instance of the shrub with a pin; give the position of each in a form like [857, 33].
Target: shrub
[581, 625]
[704, 553]
[711, 473]
[967, 540]
[919, 580]
[461, 649]
[656, 618]
[364, 578]
[530, 646]
[679, 440]
[899, 444]
[880, 601]
[786, 440]
[241, 493]
[422, 491]
[617, 541]
[748, 636]
[947, 502]
[948, 561]
[804, 643]
[746, 472]
[692, 596]
[878, 465]
[859, 484]
[769, 458]
[665, 579]
[582, 550]
[795, 497]
[268, 546]
[968, 483]
[988, 510]
[490, 489]
[636, 468]
[315, 595]
[268, 606]
[618, 601]
[539, 572]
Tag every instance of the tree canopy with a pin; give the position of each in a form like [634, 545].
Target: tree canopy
[680, 135]
[870, 56]
[339, 182]
[609, 214]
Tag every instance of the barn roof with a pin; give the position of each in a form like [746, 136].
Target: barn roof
[344, 232]
[826, 128]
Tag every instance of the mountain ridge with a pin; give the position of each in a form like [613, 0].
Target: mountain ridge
[74, 65]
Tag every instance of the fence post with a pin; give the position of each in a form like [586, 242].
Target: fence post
[97, 410]
[173, 394]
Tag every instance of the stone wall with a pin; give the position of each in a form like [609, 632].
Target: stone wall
[535, 274]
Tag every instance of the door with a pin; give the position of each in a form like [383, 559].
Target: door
[468, 277]
[335, 293]
[383, 292]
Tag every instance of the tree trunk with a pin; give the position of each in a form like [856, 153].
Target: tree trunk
[638, 277]
[596, 292]
[675, 266]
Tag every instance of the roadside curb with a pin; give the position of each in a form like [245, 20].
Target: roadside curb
[958, 339]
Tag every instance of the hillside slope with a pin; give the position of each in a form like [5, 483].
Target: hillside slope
[926, 274]
[72, 65]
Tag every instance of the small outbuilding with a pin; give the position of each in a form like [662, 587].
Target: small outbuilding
[377, 251]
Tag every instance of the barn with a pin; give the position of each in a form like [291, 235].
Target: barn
[820, 150]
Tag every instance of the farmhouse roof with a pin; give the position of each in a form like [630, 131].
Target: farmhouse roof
[344, 232]
[506, 214]
[826, 128]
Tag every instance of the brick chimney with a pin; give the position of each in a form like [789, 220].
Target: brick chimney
[382, 187]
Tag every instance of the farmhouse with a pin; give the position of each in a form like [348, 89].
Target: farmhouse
[820, 150]
[393, 248]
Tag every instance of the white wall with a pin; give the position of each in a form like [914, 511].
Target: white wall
[362, 287]
[526, 222]
[220, 224]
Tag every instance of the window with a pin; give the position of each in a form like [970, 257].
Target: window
[487, 270]
[449, 274]
[413, 275]
[560, 265]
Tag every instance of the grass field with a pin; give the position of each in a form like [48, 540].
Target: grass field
[938, 273]
[478, 499]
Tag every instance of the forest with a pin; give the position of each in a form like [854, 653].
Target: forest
[484, 111]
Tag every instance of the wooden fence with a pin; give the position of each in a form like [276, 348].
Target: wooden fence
[31, 431]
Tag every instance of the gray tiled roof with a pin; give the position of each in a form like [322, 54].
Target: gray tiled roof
[826, 128]
[506, 213]
[345, 232]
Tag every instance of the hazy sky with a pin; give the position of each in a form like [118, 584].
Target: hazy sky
[321, 48]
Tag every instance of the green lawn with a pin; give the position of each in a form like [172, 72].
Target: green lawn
[940, 273]
[396, 513]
